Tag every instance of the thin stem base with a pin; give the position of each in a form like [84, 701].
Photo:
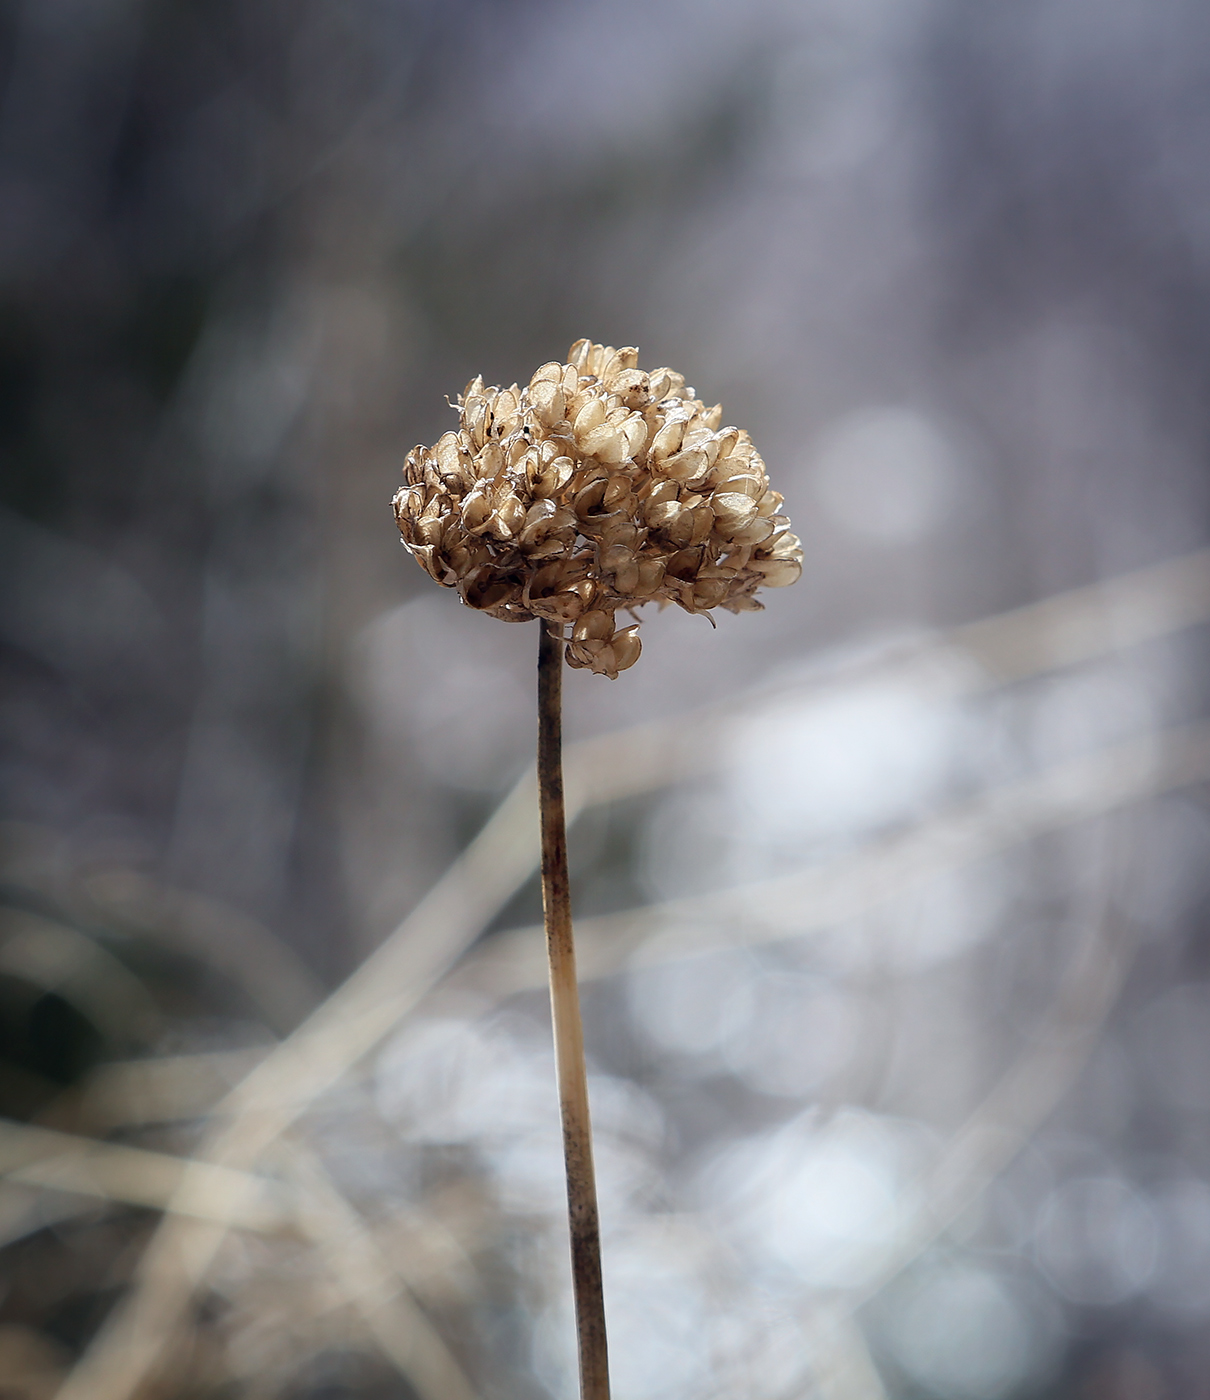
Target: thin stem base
[569, 1035]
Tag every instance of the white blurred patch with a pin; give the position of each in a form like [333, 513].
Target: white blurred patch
[822, 1205]
[944, 916]
[1074, 713]
[814, 770]
[964, 1334]
[798, 1034]
[656, 1309]
[841, 764]
[1181, 1282]
[455, 1081]
[1096, 1240]
[890, 474]
[691, 1007]
[749, 1339]
[446, 1081]
[782, 1033]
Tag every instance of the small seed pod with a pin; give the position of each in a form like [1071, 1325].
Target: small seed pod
[596, 486]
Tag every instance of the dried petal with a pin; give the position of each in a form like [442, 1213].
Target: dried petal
[778, 573]
[669, 438]
[548, 401]
[591, 416]
[604, 443]
[684, 466]
[732, 510]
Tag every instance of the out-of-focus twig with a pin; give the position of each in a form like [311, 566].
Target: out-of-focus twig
[370, 1282]
[59, 959]
[283, 990]
[26, 1209]
[124, 1093]
[813, 901]
[842, 1366]
[62, 1162]
[82, 1166]
[1087, 623]
[1069, 629]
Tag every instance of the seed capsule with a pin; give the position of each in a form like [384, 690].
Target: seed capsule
[595, 486]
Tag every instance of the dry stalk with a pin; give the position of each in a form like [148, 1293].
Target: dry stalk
[569, 1034]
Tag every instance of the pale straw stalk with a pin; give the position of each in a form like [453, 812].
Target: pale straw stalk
[570, 1068]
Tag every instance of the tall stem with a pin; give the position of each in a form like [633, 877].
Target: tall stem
[569, 1034]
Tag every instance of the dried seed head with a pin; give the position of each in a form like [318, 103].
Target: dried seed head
[595, 487]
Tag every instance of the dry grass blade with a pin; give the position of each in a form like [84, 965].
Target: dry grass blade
[141, 1331]
[128, 1092]
[61, 1162]
[793, 906]
[1086, 623]
[844, 1369]
[110, 1171]
[281, 987]
[369, 1281]
[24, 1210]
[59, 959]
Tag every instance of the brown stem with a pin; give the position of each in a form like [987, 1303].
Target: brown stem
[569, 1035]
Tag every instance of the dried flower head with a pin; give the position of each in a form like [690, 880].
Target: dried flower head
[597, 486]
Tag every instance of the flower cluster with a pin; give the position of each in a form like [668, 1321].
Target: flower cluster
[597, 486]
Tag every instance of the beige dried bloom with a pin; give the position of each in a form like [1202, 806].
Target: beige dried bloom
[597, 486]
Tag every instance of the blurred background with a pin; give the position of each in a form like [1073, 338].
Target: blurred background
[893, 898]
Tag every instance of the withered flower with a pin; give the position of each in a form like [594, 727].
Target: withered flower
[597, 486]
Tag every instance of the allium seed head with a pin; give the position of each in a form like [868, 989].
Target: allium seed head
[597, 486]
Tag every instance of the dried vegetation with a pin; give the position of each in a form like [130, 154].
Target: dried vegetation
[597, 486]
